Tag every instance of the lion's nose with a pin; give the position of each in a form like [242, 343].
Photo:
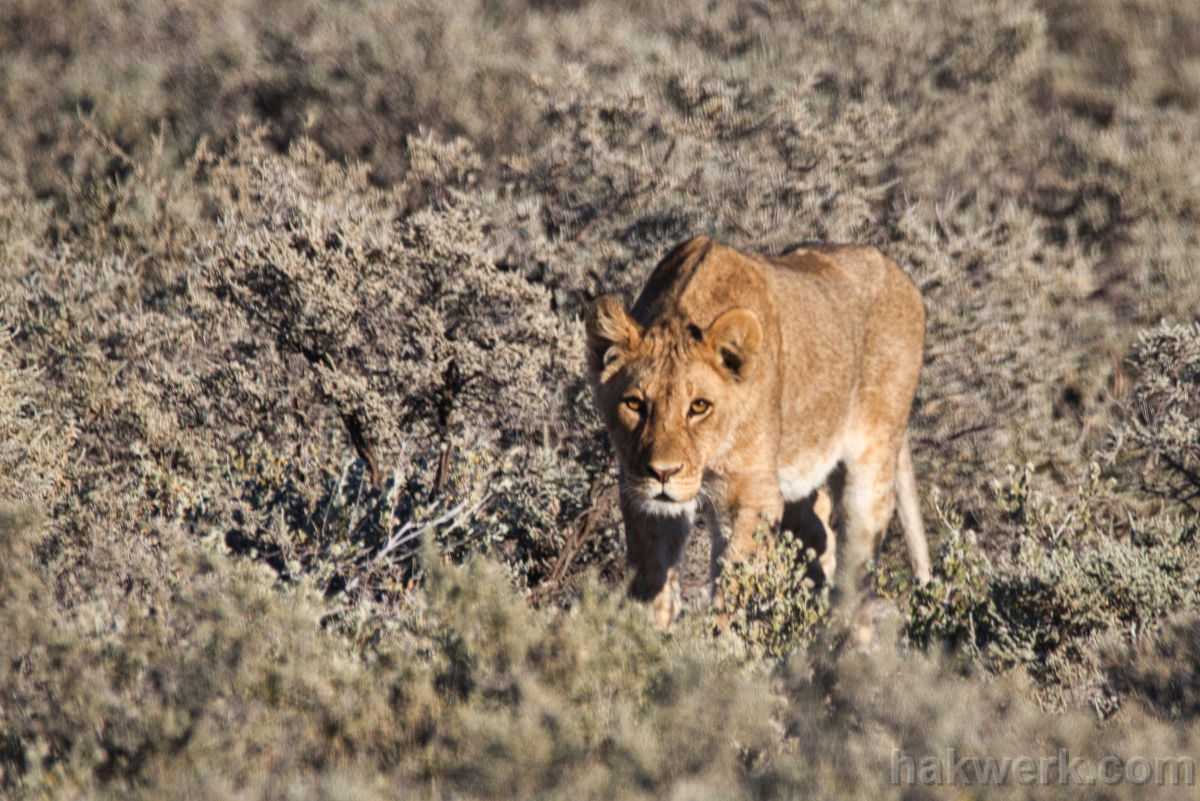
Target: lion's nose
[664, 472]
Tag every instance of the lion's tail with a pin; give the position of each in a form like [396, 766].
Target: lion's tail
[909, 507]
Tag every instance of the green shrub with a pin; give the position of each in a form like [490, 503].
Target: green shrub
[1045, 606]
[774, 607]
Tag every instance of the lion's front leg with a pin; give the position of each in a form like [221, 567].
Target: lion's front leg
[654, 544]
[748, 505]
[753, 503]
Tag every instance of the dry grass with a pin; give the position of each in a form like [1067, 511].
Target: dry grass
[285, 286]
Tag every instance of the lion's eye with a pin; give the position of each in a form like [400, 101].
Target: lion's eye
[700, 406]
[633, 404]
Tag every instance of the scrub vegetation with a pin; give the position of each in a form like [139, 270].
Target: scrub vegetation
[302, 493]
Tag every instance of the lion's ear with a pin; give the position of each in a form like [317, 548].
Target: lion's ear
[736, 338]
[610, 330]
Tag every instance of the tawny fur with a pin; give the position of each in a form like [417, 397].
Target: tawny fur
[739, 382]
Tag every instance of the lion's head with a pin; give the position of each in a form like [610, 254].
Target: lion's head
[671, 394]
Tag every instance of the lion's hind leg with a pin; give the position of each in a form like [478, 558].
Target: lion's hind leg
[867, 502]
[909, 507]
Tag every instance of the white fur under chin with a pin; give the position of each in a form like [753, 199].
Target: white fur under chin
[660, 508]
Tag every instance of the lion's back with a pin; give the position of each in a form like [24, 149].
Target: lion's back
[849, 281]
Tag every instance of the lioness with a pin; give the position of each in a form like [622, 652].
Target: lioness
[738, 382]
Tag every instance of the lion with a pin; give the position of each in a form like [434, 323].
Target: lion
[736, 386]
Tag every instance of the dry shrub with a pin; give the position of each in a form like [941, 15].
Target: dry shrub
[411, 333]
[225, 682]
[1163, 427]
[220, 383]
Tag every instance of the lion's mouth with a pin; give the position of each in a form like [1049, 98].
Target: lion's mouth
[660, 493]
[664, 494]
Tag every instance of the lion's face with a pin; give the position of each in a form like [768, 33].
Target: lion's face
[670, 396]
